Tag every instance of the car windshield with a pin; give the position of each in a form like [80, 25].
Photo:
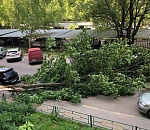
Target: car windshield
[146, 97]
[8, 73]
[12, 52]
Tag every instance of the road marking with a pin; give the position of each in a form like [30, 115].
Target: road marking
[23, 58]
[120, 114]
[124, 114]
[91, 107]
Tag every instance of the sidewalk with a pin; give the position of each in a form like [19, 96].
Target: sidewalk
[123, 110]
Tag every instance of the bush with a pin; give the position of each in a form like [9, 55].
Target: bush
[13, 114]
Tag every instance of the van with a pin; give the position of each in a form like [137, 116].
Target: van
[35, 55]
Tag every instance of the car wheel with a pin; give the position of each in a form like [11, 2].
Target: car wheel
[148, 113]
[7, 60]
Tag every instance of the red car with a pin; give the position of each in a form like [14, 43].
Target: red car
[35, 55]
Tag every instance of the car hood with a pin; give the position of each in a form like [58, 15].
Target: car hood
[147, 102]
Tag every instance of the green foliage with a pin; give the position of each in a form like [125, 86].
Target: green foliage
[13, 114]
[124, 16]
[18, 116]
[27, 126]
[40, 95]
[43, 121]
[73, 26]
[115, 69]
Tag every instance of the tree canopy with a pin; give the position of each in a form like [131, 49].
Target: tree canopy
[31, 15]
[125, 16]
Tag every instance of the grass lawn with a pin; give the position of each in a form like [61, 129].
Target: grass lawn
[43, 121]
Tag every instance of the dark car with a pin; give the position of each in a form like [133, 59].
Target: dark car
[8, 76]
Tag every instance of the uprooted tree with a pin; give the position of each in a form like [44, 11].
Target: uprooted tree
[115, 69]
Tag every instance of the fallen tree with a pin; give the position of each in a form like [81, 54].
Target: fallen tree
[115, 69]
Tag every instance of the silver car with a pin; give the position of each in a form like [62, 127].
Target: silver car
[2, 52]
[144, 103]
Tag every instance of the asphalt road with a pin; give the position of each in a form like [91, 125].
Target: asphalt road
[122, 109]
[22, 67]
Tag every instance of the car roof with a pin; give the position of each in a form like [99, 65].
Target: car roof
[4, 69]
[34, 49]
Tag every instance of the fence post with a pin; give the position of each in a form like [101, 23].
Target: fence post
[91, 122]
[3, 97]
[55, 110]
[136, 127]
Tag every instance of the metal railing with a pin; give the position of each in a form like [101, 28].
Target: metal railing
[92, 121]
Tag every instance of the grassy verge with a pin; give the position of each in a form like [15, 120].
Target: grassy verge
[22, 116]
[43, 121]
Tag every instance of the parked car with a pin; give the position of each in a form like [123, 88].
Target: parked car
[3, 52]
[35, 55]
[8, 76]
[13, 54]
[144, 103]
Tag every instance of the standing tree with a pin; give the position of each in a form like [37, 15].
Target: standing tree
[6, 13]
[77, 10]
[125, 16]
[31, 15]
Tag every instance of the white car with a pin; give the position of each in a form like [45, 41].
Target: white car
[13, 54]
[2, 52]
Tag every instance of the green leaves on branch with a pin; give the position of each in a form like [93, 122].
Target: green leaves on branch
[39, 96]
[115, 69]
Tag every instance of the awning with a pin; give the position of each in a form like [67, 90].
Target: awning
[54, 33]
[143, 33]
[70, 34]
[14, 34]
[7, 31]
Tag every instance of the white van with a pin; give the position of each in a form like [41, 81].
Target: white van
[3, 52]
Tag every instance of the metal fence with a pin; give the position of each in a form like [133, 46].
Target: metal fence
[92, 121]
[143, 43]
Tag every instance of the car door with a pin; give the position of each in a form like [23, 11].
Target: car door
[3, 51]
